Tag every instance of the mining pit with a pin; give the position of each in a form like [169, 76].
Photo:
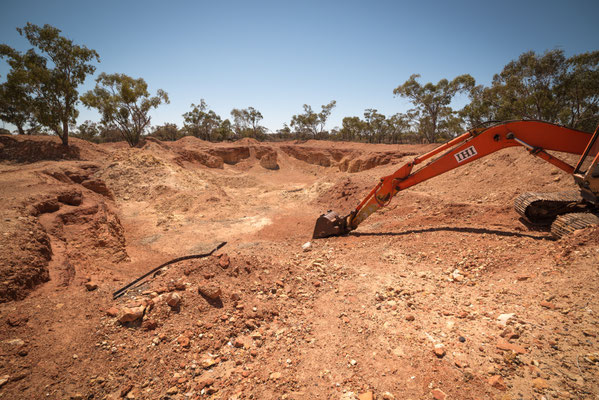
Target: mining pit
[444, 293]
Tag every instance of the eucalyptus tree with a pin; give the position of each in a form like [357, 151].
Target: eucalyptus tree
[201, 122]
[124, 102]
[47, 77]
[311, 123]
[246, 122]
[432, 101]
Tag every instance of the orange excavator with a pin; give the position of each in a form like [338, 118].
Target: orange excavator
[565, 211]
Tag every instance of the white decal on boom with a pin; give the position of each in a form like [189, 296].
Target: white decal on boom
[465, 154]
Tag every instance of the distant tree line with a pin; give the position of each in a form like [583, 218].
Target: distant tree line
[40, 96]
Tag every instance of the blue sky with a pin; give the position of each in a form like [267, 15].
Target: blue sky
[278, 55]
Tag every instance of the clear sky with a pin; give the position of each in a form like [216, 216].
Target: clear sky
[278, 55]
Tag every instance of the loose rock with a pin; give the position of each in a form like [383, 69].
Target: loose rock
[207, 362]
[497, 382]
[126, 389]
[173, 300]
[183, 341]
[149, 325]
[504, 318]
[438, 394]
[275, 375]
[209, 290]
[540, 384]
[15, 342]
[204, 382]
[502, 344]
[112, 312]
[547, 304]
[366, 396]
[439, 350]
[173, 390]
[131, 314]
[224, 261]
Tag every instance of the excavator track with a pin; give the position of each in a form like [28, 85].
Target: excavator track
[568, 223]
[543, 208]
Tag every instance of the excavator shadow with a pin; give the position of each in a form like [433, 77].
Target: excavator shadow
[454, 229]
[534, 227]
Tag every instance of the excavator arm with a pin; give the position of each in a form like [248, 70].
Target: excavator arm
[534, 136]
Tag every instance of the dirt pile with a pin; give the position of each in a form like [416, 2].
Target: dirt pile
[82, 215]
[24, 258]
[210, 320]
[342, 196]
[28, 149]
[61, 213]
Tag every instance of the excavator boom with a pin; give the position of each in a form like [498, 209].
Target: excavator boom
[535, 136]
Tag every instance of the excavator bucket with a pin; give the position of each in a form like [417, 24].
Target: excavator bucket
[329, 224]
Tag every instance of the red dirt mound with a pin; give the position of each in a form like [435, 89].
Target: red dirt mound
[24, 258]
[28, 149]
[61, 213]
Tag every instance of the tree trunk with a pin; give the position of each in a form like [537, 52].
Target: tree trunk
[20, 129]
[65, 133]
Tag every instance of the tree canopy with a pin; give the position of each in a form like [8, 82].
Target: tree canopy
[310, 123]
[166, 132]
[16, 105]
[202, 123]
[431, 102]
[124, 102]
[549, 87]
[43, 86]
[246, 123]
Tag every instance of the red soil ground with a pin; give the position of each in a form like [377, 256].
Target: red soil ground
[353, 316]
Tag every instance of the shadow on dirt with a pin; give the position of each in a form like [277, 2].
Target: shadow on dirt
[216, 303]
[454, 229]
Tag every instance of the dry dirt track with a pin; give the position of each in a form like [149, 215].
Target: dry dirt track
[406, 307]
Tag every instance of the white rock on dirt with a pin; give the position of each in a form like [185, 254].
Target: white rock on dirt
[307, 246]
[275, 375]
[504, 318]
[15, 342]
[457, 276]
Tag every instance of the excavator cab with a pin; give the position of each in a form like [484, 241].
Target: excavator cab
[586, 173]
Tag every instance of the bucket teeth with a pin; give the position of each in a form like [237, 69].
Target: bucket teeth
[329, 224]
